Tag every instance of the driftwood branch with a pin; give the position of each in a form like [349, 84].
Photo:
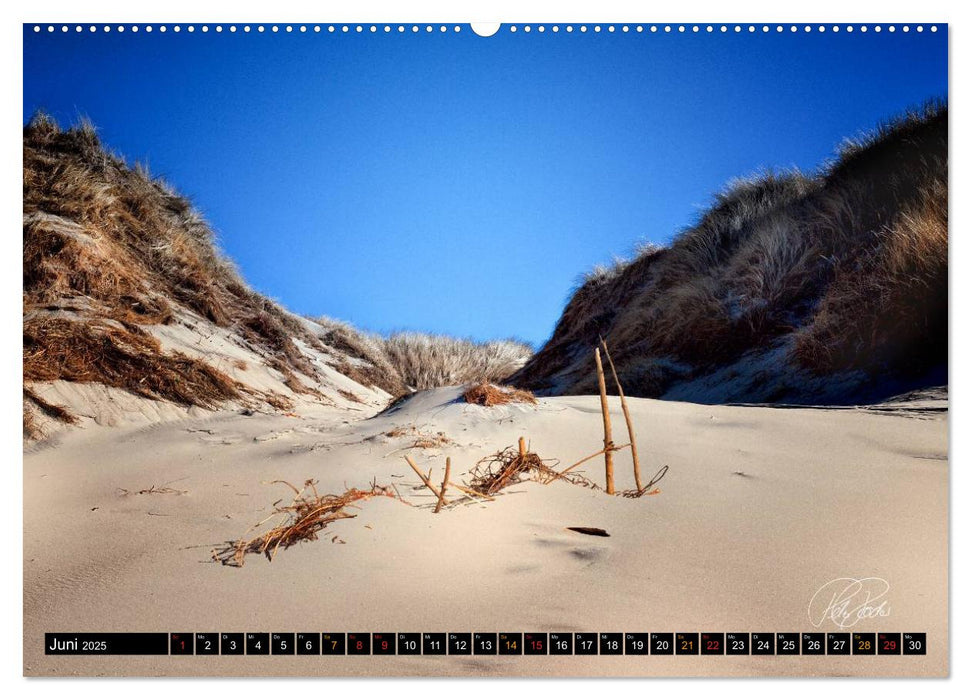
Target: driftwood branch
[425, 480]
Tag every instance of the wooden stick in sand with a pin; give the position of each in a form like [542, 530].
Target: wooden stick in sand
[630, 426]
[421, 476]
[608, 441]
[441, 495]
[522, 448]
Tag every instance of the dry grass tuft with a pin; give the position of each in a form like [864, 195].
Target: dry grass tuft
[484, 394]
[300, 521]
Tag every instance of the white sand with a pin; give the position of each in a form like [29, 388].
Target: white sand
[822, 494]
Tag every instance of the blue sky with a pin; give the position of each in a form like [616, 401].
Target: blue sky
[458, 184]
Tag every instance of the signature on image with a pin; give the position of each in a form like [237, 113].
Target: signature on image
[846, 601]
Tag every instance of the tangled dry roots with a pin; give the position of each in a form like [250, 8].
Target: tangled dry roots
[485, 394]
[509, 466]
[300, 521]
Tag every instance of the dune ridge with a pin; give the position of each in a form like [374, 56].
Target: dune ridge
[828, 287]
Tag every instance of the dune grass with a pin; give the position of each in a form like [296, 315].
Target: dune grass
[417, 361]
[425, 361]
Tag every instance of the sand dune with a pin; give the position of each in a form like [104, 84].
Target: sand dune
[802, 288]
[760, 508]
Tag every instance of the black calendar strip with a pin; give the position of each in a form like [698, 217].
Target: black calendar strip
[107, 644]
[487, 643]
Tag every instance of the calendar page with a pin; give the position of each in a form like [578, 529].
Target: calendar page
[543, 349]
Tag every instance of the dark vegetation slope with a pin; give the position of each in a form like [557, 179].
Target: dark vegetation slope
[790, 288]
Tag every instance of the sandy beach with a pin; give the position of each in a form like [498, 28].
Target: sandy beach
[759, 509]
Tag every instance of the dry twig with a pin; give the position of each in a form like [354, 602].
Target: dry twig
[425, 479]
[573, 466]
[646, 489]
